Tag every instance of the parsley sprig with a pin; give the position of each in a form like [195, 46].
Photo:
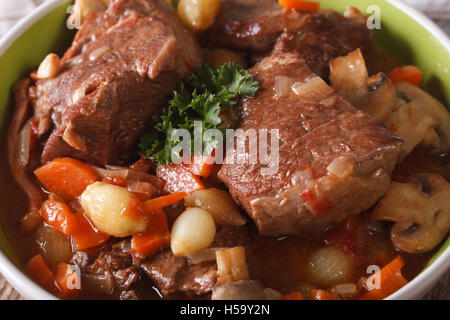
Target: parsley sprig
[202, 98]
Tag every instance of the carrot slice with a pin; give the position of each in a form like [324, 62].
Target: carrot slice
[68, 281]
[200, 166]
[178, 179]
[293, 296]
[66, 177]
[409, 74]
[59, 216]
[164, 201]
[38, 269]
[311, 6]
[156, 236]
[86, 235]
[323, 295]
[391, 279]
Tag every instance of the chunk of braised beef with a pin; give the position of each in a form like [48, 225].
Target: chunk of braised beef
[82, 260]
[110, 261]
[125, 278]
[129, 295]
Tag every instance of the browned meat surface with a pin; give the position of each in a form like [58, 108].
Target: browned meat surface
[325, 36]
[173, 274]
[316, 128]
[255, 25]
[120, 70]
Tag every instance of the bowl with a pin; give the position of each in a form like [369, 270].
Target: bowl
[405, 34]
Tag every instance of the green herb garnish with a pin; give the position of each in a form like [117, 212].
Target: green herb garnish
[201, 99]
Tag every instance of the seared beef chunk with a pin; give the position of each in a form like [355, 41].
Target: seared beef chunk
[120, 70]
[334, 161]
[173, 274]
[325, 36]
[249, 25]
[255, 25]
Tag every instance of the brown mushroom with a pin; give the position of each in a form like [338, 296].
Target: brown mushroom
[420, 210]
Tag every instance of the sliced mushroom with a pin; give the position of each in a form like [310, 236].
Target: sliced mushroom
[420, 210]
[382, 97]
[420, 118]
[353, 87]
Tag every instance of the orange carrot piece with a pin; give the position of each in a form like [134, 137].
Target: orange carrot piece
[38, 269]
[391, 279]
[293, 296]
[164, 201]
[68, 281]
[409, 74]
[156, 236]
[66, 177]
[311, 6]
[323, 295]
[200, 165]
[59, 216]
[178, 179]
[86, 235]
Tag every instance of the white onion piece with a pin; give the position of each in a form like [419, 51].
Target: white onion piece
[282, 86]
[346, 289]
[97, 53]
[205, 255]
[313, 88]
[55, 246]
[341, 167]
[23, 146]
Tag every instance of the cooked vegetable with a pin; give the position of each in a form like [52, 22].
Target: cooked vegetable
[293, 296]
[102, 284]
[330, 266]
[69, 282]
[409, 74]
[382, 97]
[239, 290]
[318, 294]
[420, 210]
[113, 210]
[83, 8]
[231, 265]
[55, 246]
[67, 177]
[311, 6]
[200, 165]
[391, 279]
[346, 290]
[192, 231]
[156, 236]
[198, 14]
[38, 269]
[354, 87]
[59, 216]
[205, 255]
[219, 57]
[219, 203]
[49, 67]
[178, 179]
[215, 89]
[164, 201]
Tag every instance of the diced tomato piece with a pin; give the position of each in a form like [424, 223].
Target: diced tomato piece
[178, 179]
[201, 166]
